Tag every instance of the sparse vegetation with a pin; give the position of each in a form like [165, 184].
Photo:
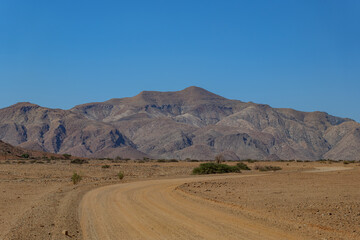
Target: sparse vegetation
[66, 156]
[243, 166]
[120, 175]
[212, 168]
[79, 161]
[167, 160]
[105, 166]
[76, 178]
[251, 160]
[267, 168]
[25, 155]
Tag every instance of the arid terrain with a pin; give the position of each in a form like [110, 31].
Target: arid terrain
[156, 200]
[191, 123]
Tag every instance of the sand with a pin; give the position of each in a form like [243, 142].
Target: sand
[304, 200]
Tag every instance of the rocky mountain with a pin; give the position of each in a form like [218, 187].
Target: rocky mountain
[9, 152]
[192, 123]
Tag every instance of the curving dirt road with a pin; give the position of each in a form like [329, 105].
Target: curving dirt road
[155, 210]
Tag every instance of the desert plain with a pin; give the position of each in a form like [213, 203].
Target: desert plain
[163, 200]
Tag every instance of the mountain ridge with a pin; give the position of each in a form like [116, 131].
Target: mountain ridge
[191, 123]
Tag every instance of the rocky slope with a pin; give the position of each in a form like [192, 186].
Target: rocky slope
[9, 152]
[192, 123]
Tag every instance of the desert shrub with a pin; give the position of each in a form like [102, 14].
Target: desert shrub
[105, 166]
[120, 175]
[243, 166]
[76, 178]
[211, 168]
[78, 161]
[167, 160]
[25, 155]
[267, 168]
[52, 158]
[250, 160]
[66, 156]
[191, 160]
[347, 162]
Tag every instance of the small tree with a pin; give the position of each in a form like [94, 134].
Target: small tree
[219, 158]
[67, 156]
[76, 178]
[120, 175]
[25, 155]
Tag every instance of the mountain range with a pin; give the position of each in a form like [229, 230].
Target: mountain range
[192, 123]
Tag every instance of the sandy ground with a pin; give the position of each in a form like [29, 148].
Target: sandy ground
[38, 201]
[155, 210]
[322, 203]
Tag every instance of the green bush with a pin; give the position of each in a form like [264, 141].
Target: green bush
[267, 168]
[211, 168]
[167, 160]
[251, 160]
[76, 178]
[67, 156]
[78, 161]
[105, 166]
[25, 155]
[120, 175]
[243, 166]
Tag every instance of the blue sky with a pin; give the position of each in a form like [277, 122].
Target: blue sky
[299, 54]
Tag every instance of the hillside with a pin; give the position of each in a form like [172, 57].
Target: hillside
[9, 152]
[192, 123]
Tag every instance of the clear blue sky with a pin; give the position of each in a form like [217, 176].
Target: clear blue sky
[301, 54]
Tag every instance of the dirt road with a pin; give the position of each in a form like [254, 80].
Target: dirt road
[155, 210]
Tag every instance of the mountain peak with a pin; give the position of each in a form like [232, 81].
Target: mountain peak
[188, 94]
[199, 93]
[24, 105]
